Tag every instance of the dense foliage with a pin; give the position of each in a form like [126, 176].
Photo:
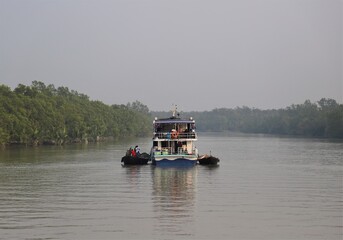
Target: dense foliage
[321, 119]
[39, 114]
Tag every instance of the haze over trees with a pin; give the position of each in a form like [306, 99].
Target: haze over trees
[40, 114]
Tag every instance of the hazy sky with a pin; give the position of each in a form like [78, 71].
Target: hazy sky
[198, 54]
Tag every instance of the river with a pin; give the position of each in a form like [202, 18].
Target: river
[265, 187]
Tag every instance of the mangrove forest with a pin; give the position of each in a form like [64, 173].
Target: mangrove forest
[40, 114]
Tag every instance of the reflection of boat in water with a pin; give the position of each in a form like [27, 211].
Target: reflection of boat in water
[174, 191]
[174, 142]
[174, 181]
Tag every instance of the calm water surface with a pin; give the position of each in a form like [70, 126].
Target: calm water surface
[264, 188]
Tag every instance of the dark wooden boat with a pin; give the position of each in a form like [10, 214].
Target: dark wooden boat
[207, 160]
[129, 160]
[143, 159]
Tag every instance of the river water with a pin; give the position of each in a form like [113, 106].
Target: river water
[264, 188]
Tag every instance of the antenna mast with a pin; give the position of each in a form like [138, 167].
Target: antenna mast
[174, 110]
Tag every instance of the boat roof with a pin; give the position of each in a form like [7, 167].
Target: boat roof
[173, 120]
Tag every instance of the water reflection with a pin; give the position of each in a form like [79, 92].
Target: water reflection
[132, 171]
[173, 200]
[133, 174]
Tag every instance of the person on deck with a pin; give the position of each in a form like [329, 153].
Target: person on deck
[128, 152]
[133, 152]
[138, 151]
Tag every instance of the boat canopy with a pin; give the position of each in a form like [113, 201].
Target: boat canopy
[172, 120]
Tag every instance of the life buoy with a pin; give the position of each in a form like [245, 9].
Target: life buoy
[174, 134]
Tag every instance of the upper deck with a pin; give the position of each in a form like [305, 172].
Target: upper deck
[174, 129]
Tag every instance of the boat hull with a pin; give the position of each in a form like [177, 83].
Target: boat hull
[208, 160]
[129, 160]
[171, 162]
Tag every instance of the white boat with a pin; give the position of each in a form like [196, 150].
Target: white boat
[174, 142]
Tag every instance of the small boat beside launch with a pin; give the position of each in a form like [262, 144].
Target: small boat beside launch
[208, 160]
[129, 160]
[134, 157]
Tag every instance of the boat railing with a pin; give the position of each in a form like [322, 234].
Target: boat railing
[169, 135]
[163, 151]
[169, 151]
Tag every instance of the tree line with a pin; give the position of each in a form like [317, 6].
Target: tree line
[40, 114]
[323, 119]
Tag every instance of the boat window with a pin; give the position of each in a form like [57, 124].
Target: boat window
[168, 127]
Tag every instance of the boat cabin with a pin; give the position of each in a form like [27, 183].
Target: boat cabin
[174, 136]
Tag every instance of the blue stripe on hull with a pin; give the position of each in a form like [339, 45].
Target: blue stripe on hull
[177, 162]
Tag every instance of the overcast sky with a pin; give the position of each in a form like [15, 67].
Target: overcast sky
[198, 54]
